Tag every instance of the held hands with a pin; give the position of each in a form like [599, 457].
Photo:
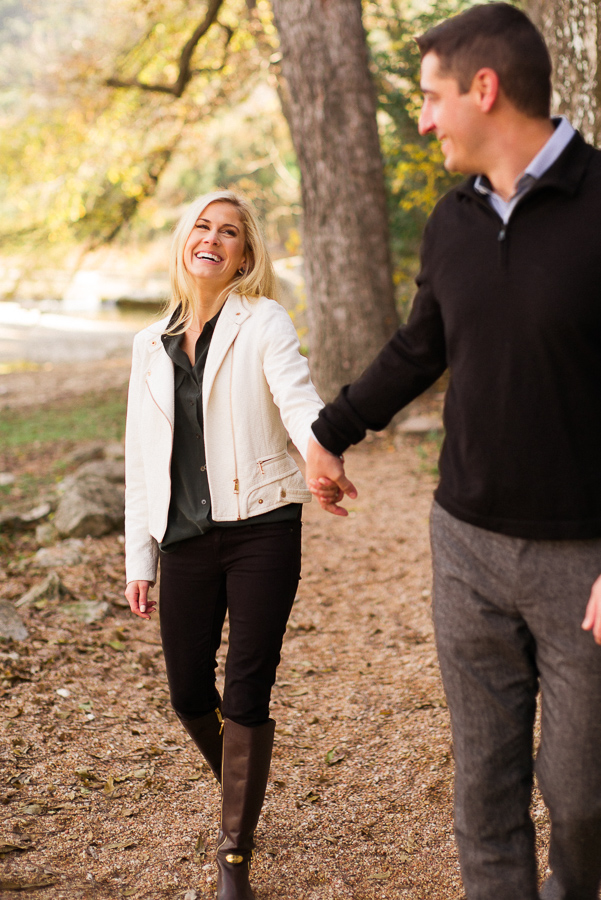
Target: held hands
[136, 594]
[326, 479]
[592, 617]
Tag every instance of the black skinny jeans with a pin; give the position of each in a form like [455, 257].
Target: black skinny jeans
[252, 572]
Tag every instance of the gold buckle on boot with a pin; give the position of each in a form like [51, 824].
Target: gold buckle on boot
[234, 858]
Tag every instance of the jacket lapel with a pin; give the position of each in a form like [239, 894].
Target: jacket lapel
[159, 375]
[235, 312]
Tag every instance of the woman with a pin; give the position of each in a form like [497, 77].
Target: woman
[212, 492]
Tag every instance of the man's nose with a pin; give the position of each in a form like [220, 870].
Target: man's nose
[425, 123]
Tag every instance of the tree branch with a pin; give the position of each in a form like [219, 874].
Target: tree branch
[185, 72]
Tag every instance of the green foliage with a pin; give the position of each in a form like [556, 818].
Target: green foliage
[83, 157]
[91, 417]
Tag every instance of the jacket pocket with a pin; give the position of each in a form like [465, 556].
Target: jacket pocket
[276, 464]
[286, 487]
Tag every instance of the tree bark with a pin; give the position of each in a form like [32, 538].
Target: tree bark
[330, 104]
[572, 29]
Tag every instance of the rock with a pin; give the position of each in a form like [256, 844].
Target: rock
[51, 588]
[37, 513]
[114, 451]
[6, 478]
[46, 534]
[65, 553]
[18, 519]
[420, 425]
[86, 611]
[11, 624]
[84, 453]
[91, 505]
[112, 470]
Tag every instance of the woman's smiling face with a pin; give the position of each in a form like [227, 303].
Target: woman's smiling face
[215, 249]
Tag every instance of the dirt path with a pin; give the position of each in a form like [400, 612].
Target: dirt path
[105, 794]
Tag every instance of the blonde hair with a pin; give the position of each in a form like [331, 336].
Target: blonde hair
[258, 278]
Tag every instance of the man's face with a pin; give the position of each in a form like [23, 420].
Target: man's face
[455, 118]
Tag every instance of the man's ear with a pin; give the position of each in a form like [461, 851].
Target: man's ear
[485, 88]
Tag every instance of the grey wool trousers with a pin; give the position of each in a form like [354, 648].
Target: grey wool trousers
[507, 616]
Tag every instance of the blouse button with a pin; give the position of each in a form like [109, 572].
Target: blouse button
[260, 501]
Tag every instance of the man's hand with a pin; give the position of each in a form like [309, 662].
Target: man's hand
[326, 479]
[137, 597]
[592, 617]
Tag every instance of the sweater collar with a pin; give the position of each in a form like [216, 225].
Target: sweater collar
[565, 174]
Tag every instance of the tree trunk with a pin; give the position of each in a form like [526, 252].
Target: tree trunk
[330, 103]
[572, 29]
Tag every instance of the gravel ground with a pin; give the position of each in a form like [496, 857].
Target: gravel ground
[104, 796]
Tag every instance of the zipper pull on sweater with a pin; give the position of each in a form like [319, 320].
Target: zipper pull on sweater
[502, 239]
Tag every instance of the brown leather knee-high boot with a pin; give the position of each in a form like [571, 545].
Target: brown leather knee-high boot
[206, 732]
[246, 761]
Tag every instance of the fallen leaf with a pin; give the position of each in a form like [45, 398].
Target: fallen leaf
[116, 645]
[333, 757]
[109, 787]
[379, 876]
[200, 850]
[120, 845]
[15, 884]
[34, 809]
[9, 846]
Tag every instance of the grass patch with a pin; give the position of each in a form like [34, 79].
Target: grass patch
[428, 451]
[86, 418]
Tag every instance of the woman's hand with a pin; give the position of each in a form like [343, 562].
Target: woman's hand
[326, 480]
[592, 618]
[325, 490]
[136, 594]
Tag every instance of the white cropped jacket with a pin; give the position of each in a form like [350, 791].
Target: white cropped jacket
[256, 390]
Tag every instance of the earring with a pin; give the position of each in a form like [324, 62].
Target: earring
[241, 270]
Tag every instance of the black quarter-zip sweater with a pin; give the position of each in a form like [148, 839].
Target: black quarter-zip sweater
[515, 313]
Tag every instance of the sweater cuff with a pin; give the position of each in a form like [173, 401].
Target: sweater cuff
[327, 438]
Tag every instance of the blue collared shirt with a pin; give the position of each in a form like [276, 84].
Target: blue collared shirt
[543, 160]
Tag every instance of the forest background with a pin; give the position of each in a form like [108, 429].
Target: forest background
[114, 116]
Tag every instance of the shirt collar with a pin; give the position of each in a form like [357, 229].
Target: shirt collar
[544, 159]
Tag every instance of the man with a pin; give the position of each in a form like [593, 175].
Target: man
[509, 298]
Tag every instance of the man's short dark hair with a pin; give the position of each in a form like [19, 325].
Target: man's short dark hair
[499, 37]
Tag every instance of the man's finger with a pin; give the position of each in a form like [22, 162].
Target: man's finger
[347, 486]
[335, 509]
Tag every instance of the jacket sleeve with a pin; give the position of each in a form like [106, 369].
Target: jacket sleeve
[141, 549]
[288, 377]
[411, 361]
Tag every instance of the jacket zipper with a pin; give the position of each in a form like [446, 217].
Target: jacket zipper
[236, 482]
